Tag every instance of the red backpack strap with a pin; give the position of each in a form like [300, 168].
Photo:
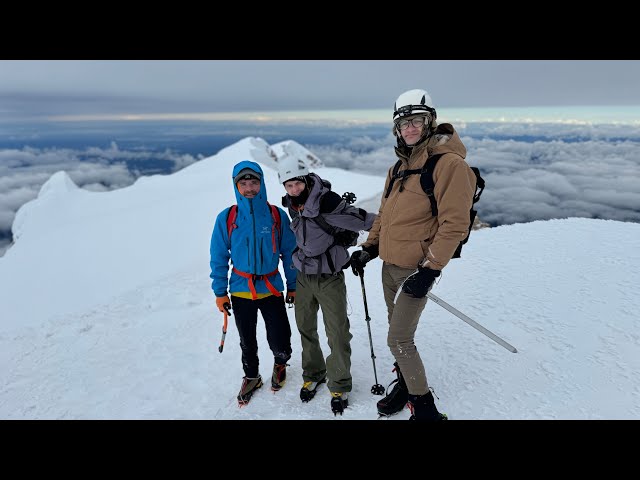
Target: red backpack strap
[231, 221]
[275, 213]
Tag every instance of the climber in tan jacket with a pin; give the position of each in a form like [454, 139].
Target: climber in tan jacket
[415, 245]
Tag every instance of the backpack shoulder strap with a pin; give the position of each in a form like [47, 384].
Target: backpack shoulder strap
[427, 183]
[402, 175]
[324, 225]
[275, 213]
[394, 175]
[479, 184]
[232, 213]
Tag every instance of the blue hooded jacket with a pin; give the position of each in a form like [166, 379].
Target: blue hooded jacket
[251, 249]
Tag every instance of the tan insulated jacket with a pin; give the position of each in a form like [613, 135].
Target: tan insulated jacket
[404, 230]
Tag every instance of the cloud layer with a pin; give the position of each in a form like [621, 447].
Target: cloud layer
[529, 180]
[533, 171]
[23, 171]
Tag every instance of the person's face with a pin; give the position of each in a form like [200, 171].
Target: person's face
[294, 187]
[411, 130]
[249, 188]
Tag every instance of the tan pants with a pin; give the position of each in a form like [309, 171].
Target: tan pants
[404, 316]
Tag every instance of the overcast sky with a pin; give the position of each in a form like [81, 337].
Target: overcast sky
[55, 87]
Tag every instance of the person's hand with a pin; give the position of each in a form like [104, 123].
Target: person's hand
[290, 299]
[359, 259]
[419, 283]
[221, 301]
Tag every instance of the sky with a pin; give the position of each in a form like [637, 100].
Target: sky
[107, 311]
[39, 89]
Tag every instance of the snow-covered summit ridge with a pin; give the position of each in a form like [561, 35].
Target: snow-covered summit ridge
[114, 241]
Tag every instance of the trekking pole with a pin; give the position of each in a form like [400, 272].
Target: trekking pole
[227, 307]
[474, 324]
[377, 389]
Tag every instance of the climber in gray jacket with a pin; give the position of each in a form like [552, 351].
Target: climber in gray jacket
[325, 225]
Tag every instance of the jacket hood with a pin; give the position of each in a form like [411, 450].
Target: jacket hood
[317, 190]
[260, 200]
[446, 140]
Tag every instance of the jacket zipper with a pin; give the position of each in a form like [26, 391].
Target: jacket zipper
[253, 220]
[261, 255]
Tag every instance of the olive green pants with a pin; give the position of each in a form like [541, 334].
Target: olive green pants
[404, 315]
[328, 292]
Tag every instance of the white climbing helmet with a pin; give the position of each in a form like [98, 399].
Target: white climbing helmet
[413, 102]
[291, 167]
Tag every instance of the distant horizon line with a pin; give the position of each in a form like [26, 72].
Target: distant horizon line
[579, 114]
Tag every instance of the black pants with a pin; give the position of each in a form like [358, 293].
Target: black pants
[276, 324]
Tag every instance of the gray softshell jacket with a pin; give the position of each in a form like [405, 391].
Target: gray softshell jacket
[316, 250]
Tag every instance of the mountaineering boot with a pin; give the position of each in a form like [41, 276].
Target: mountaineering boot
[339, 401]
[308, 390]
[423, 407]
[279, 376]
[249, 386]
[395, 400]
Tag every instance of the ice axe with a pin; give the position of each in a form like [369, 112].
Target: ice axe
[463, 317]
[473, 323]
[227, 312]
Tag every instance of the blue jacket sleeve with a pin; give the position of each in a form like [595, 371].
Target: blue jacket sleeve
[220, 256]
[287, 246]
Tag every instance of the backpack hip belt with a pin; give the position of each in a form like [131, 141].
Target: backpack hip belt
[252, 277]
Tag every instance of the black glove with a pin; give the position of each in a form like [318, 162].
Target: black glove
[359, 259]
[419, 283]
[290, 299]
